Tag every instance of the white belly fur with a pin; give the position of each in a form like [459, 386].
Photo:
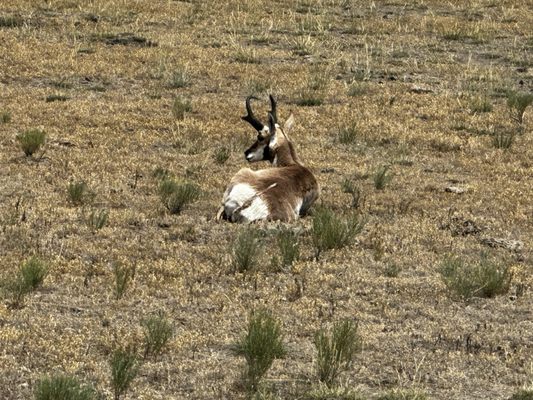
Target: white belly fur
[243, 192]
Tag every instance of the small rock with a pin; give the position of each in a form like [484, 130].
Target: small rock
[455, 189]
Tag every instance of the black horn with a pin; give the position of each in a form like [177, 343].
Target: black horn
[273, 108]
[250, 117]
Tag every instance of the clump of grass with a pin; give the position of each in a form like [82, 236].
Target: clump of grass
[349, 186]
[331, 231]
[30, 276]
[392, 270]
[78, 192]
[245, 250]
[31, 141]
[124, 368]
[357, 89]
[260, 346]
[63, 388]
[157, 332]
[503, 140]
[33, 272]
[11, 21]
[403, 394]
[347, 134]
[518, 102]
[97, 219]
[179, 79]
[484, 278]
[123, 276]
[161, 173]
[382, 177]
[246, 55]
[523, 394]
[289, 248]
[303, 45]
[221, 155]
[313, 93]
[480, 105]
[5, 117]
[176, 195]
[56, 97]
[180, 107]
[336, 350]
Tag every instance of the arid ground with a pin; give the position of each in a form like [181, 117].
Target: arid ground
[127, 91]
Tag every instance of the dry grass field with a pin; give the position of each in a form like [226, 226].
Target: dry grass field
[128, 91]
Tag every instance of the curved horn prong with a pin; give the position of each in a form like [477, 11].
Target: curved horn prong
[250, 117]
[273, 110]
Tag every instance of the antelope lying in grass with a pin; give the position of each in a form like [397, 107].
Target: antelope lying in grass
[282, 193]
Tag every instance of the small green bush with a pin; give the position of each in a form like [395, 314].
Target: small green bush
[289, 247]
[349, 186]
[382, 177]
[336, 350]
[5, 117]
[180, 107]
[123, 276]
[78, 192]
[347, 134]
[175, 196]
[331, 231]
[63, 388]
[179, 79]
[97, 219]
[503, 140]
[221, 155]
[124, 368]
[480, 105]
[11, 21]
[245, 250]
[523, 394]
[310, 98]
[518, 102]
[56, 97]
[260, 346]
[157, 332]
[483, 278]
[33, 272]
[31, 141]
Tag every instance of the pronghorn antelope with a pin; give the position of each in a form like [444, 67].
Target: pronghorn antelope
[282, 193]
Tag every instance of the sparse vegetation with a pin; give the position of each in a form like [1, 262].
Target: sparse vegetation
[522, 394]
[382, 177]
[480, 105]
[221, 155]
[245, 250]
[483, 278]
[179, 78]
[349, 186]
[289, 247]
[518, 102]
[157, 332]
[260, 346]
[404, 394]
[31, 141]
[63, 388]
[180, 107]
[29, 277]
[336, 350]
[78, 193]
[56, 97]
[347, 134]
[5, 117]
[124, 274]
[97, 219]
[124, 368]
[331, 231]
[503, 140]
[11, 21]
[176, 195]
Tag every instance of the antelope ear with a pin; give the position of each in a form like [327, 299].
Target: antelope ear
[288, 124]
[273, 131]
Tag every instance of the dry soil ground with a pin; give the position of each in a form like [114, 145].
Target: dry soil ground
[421, 85]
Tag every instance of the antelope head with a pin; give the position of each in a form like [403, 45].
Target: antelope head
[260, 150]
